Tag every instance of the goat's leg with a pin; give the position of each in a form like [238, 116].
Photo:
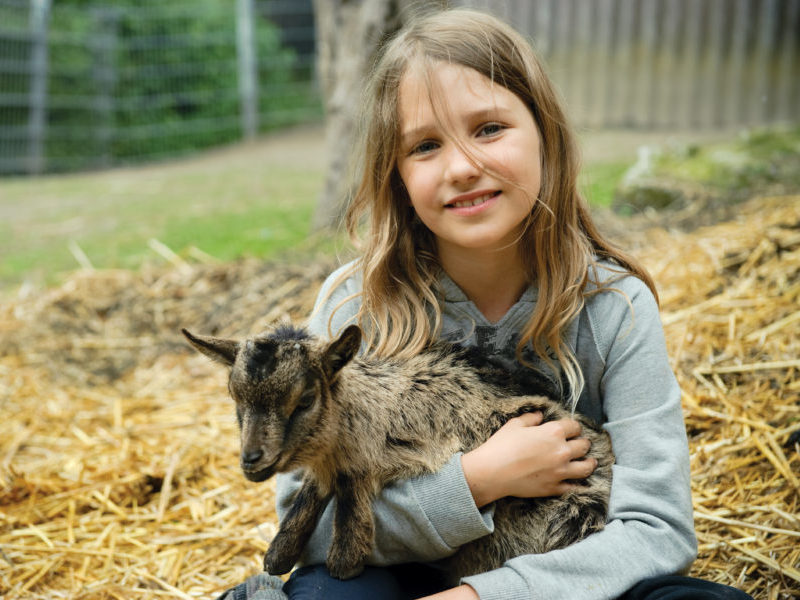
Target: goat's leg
[295, 530]
[353, 527]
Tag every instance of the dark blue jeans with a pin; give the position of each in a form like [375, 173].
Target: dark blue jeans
[401, 582]
[405, 582]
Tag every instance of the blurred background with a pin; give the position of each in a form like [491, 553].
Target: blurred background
[92, 84]
[89, 85]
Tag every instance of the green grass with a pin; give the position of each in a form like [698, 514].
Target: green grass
[241, 202]
[225, 206]
[598, 182]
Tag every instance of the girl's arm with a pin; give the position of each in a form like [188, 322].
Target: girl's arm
[650, 530]
[427, 518]
[528, 460]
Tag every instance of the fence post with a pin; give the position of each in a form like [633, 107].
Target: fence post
[714, 96]
[787, 96]
[625, 64]
[37, 111]
[248, 71]
[104, 48]
[604, 69]
[690, 66]
[763, 56]
[737, 65]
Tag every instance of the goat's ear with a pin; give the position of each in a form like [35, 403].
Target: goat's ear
[342, 350]
[217, 349]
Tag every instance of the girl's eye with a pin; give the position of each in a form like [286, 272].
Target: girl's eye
[490, 129]
[424, 147]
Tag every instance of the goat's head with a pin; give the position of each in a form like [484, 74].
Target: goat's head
[281, 383]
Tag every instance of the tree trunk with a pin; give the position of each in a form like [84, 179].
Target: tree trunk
[348, 34]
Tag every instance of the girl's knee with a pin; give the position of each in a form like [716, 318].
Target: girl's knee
[315, 583]
[675, 587]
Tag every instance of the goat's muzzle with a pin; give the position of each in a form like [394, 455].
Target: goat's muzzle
[259, 474]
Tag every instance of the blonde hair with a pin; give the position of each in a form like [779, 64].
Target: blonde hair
[400, 310]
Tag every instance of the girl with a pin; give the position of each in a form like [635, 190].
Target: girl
[477, 234]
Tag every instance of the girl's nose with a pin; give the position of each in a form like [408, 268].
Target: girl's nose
[459, 166]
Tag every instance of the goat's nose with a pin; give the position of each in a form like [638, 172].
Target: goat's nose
[251, 456]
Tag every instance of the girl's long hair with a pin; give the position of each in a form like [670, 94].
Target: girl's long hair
[400, 311]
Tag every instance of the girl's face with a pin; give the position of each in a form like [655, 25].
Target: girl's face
[465, 206]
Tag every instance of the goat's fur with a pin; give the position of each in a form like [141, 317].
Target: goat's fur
[355, 424]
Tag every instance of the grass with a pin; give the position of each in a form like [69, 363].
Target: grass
[599, 180]
[113, 231]
[227, 204]
[254, 200]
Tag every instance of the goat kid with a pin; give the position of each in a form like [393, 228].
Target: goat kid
[355, 424]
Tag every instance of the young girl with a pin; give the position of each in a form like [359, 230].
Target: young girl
[478, 235]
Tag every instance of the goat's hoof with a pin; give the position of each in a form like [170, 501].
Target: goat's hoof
[343, 571]
[275, 564]
[346, 560]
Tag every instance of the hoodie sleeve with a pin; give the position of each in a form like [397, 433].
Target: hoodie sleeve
[650, 530]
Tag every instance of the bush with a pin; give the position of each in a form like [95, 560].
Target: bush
[150, 79]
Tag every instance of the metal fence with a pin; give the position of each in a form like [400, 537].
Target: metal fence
[94, 83]
[89, 84]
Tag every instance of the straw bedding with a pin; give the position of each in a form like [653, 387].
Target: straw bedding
[118, 446]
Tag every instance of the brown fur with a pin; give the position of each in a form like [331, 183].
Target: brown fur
[355, 425]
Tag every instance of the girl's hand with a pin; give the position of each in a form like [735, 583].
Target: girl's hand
[527, 459]
[462, 592]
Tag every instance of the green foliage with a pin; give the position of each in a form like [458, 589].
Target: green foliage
[755, 158]
[143, 80]
[599, 180]
[756, 162]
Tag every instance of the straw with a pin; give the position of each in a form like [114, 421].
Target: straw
[119, 471]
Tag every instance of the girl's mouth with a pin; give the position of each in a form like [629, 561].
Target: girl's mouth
[474, 201]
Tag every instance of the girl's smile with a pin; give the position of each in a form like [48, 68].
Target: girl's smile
[469, 158]
[472, 203]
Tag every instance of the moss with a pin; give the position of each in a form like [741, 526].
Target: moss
[763, 161]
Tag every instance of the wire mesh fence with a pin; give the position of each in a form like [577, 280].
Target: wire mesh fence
[96, 83]
[88, 85]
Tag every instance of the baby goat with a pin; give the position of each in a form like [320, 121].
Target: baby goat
[356, 424]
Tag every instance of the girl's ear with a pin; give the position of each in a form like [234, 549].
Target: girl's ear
[217, 349]
[342, 350]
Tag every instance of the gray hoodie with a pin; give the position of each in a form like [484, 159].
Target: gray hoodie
[629, 388]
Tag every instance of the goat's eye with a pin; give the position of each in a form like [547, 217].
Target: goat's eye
[306, 400]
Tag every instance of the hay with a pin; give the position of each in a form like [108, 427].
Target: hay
[100, 325]
[730, 296]
[118, 452]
